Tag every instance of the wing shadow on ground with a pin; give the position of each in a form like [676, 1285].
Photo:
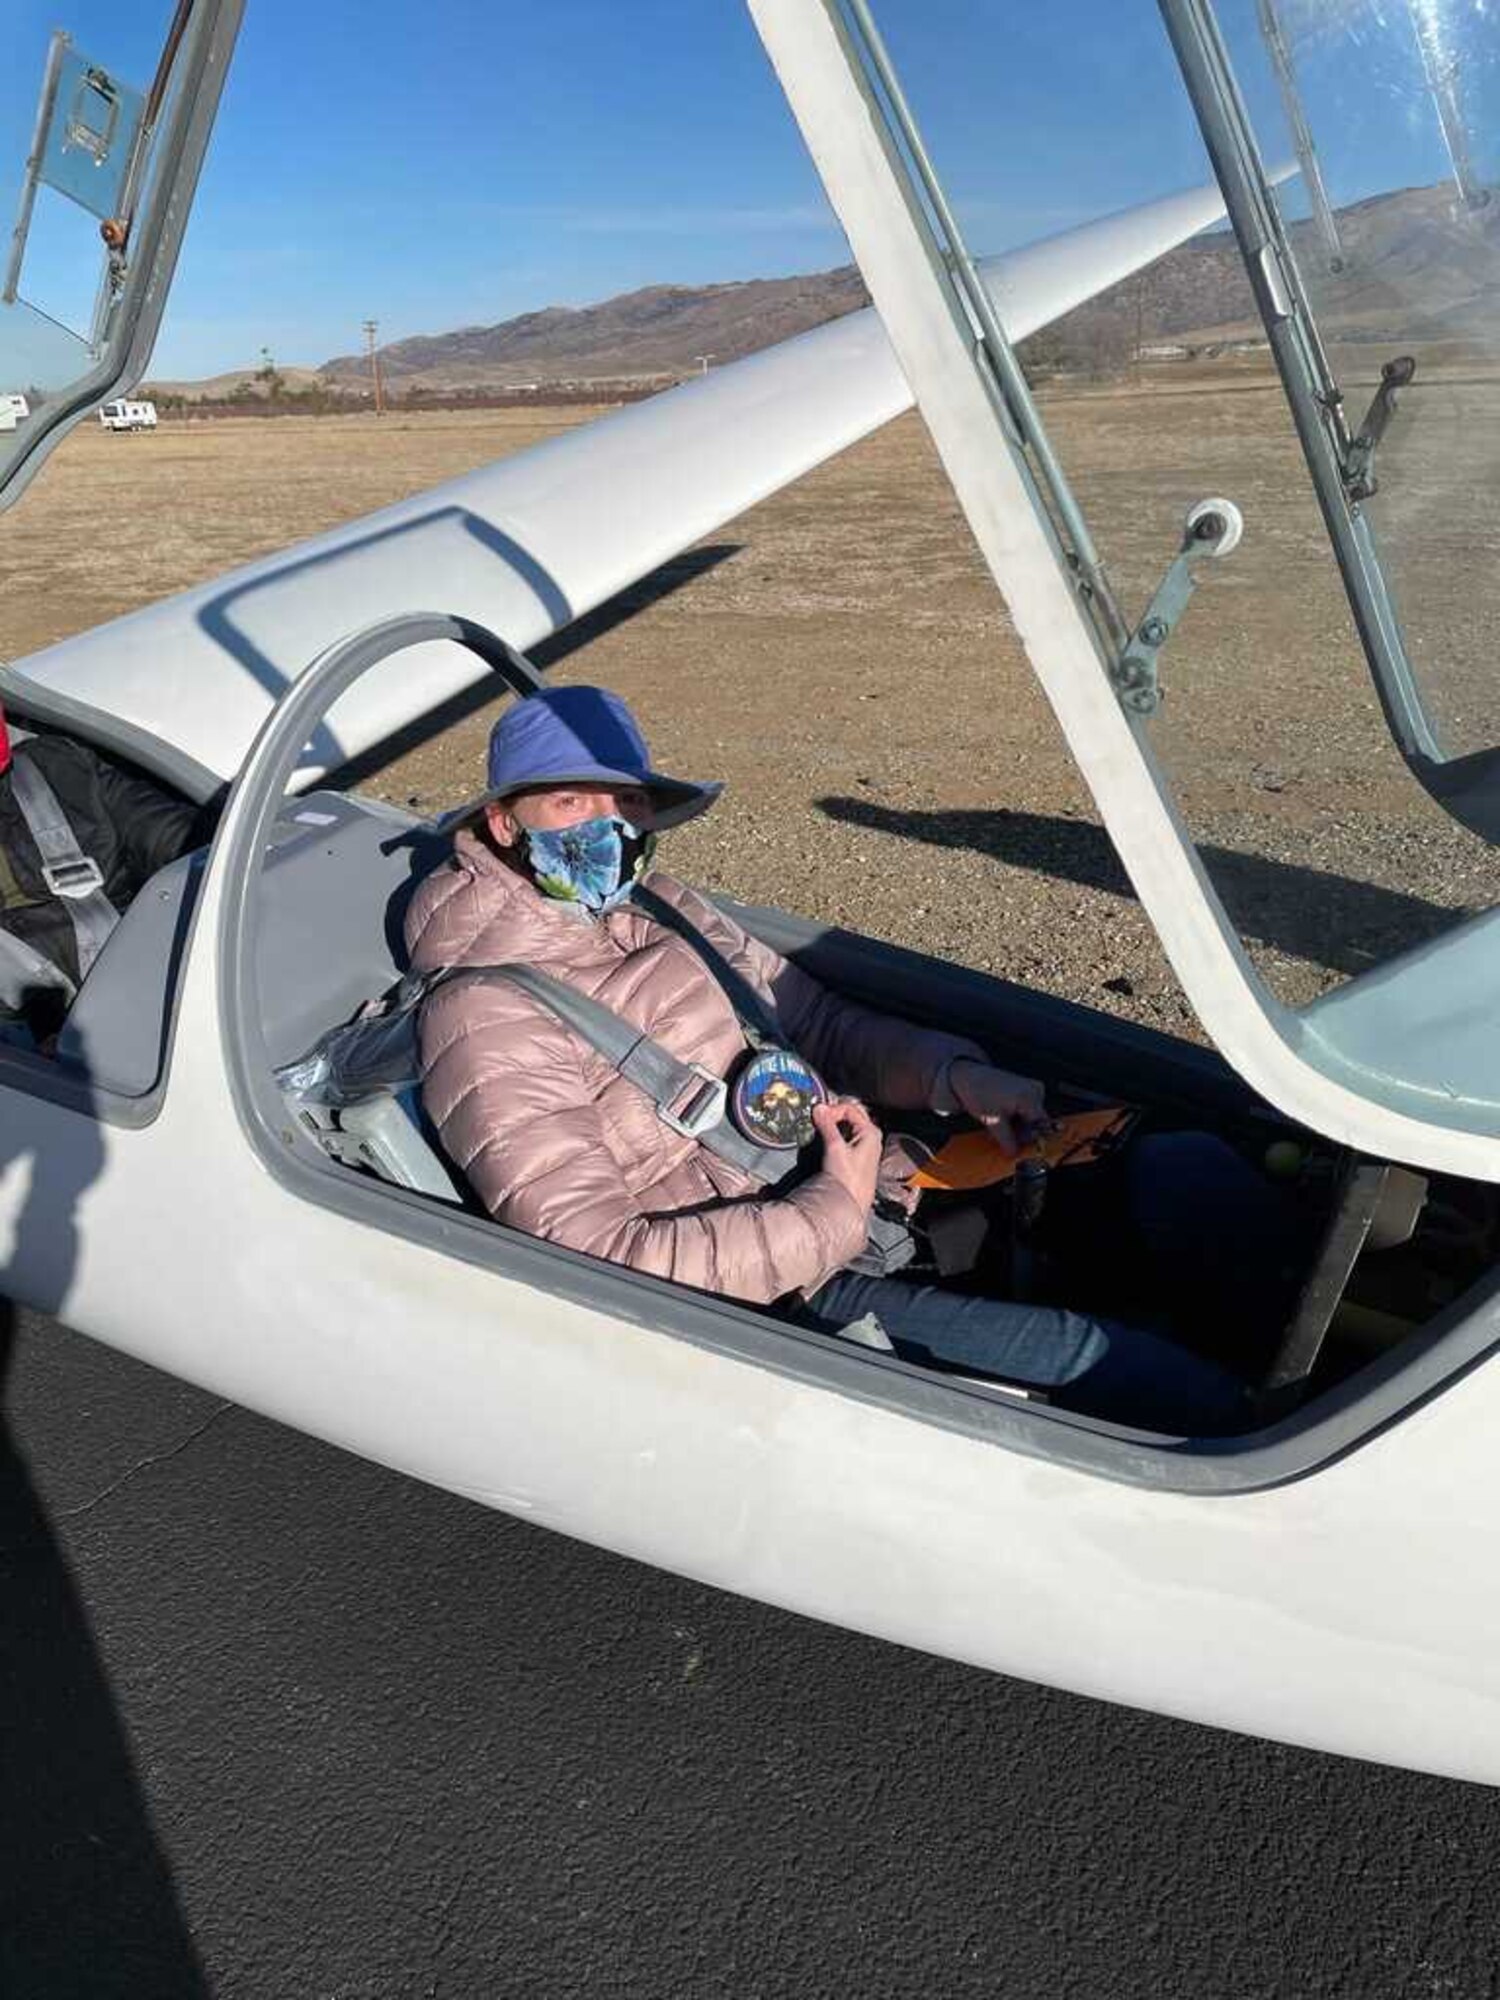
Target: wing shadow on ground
[87, 1905]
[1329, 920]
[618, 610]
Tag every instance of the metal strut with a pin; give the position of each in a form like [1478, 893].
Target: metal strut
[1279, 49]
[1211, 530]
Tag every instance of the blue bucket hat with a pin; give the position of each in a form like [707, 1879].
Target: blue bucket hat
[578, 735]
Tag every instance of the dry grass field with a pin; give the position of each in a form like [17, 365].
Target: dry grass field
[840, 657]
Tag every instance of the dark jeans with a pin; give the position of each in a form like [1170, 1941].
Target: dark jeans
[1180, 1217]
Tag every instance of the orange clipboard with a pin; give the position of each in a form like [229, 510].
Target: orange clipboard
[974, 1160]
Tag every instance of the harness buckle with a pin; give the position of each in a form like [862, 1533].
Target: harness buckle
[73, 878]
[704, 1101]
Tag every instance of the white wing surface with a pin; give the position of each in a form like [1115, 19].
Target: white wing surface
[535, 540]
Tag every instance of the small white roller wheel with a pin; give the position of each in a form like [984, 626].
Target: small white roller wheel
[1199, 525]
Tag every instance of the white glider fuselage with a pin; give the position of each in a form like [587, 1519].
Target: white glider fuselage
[1333, 1599]
[1346, 1610]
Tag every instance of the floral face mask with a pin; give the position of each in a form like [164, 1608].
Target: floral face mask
[596, 863]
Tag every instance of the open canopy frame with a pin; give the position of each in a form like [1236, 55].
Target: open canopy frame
[1401, 1062]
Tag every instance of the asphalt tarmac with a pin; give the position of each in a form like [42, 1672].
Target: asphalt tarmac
[279, 1725]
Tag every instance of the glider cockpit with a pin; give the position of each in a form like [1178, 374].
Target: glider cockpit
[309, 932]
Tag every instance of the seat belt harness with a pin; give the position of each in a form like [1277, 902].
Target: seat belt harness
[23, 969]
[73, 877]
[689, 1099]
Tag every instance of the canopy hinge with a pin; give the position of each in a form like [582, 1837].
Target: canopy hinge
[1359, 461]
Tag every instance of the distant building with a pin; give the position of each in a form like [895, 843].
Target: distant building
[125, 415]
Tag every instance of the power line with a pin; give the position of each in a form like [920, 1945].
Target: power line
[373, 351]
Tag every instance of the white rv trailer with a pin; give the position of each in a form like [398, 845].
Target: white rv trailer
[124, 415]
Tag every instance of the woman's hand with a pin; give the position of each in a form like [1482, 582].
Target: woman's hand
[851, 1148]
[1011, 1108]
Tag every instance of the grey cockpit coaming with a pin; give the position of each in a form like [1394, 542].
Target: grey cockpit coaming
[314, 876]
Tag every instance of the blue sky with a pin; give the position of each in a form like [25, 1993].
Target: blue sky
[455, 164]
[499, 159]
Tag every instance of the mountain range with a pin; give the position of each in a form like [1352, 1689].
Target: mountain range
[1412, 266]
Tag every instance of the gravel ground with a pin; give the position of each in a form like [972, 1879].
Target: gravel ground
[840, 657]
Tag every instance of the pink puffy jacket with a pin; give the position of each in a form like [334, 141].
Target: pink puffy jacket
[557, 1143]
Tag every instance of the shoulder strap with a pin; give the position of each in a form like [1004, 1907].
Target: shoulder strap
[761, 1027]
[23, 969]
[688, 1098]
[73, 877]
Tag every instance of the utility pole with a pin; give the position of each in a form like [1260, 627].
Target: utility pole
[703, 361]
[371, 326]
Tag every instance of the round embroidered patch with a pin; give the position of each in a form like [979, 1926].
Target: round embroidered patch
[773, 1098]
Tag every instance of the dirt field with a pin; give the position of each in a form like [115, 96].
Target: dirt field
[839, 656]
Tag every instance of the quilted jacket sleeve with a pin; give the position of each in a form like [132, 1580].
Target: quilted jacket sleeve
[857, 1049]
[508, 1091]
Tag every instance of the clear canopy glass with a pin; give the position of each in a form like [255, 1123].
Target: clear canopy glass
[75, 139]
[1392, 110]
[1388, 228]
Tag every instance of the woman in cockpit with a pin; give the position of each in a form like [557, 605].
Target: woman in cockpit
[657, 1088]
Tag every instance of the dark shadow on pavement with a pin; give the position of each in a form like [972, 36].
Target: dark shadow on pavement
[1329, 920]
[87, 1907]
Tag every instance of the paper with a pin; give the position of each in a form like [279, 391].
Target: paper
[975, 1160]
